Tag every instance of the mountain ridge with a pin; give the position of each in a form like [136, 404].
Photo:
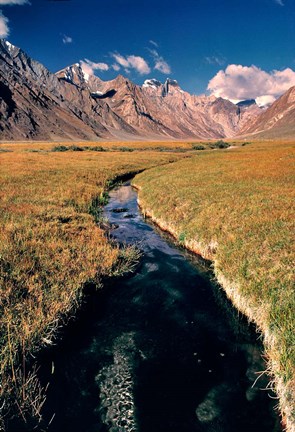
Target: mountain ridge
[278, 121]
[73, 105]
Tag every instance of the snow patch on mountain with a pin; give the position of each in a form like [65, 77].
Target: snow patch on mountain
[152, 83]
[9, 46]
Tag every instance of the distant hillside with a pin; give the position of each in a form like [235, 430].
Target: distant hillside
[278, 121]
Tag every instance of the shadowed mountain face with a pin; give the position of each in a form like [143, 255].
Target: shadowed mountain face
[71, 105]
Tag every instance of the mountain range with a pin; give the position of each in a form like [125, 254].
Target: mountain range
[72, 105]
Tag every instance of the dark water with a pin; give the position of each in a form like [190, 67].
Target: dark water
[157, 351]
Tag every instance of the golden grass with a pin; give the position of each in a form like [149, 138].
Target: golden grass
[236, 208]
[50, 244]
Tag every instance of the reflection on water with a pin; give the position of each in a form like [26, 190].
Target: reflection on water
[155, 352]
[116, 386]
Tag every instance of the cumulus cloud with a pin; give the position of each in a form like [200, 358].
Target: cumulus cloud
[238, 82]
[67, 39]
[89, 67]
[160, 64]
[265, 100]
[132, 62]
[4, 30]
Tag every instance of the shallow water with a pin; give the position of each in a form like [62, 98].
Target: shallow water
[158, 351]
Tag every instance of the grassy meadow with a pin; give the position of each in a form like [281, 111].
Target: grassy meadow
[231, 205]
[235, 207]
[51, 244]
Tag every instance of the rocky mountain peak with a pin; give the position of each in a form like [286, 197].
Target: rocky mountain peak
[172, 82]
[152, 83]
[170, 86]
[14, 59]
[73, 74]
[13, 55]
[8, 48]
[167, 87]
[120, 80]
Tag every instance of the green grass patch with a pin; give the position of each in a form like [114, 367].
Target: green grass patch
[220, 144]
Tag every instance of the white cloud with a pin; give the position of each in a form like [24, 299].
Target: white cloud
[13, 2]
[238, 82]
[153, 43]
[67, 39]
[265, 100]
[116, 67]
[4, 30]
[122, 61]
[131, 62]
[280, 2]
[139, 64]
[215, 60]
[89, 67]
[160, 64]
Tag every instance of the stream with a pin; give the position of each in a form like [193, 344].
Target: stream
[160, 350]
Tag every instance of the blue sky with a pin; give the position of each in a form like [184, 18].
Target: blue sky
[188, 40]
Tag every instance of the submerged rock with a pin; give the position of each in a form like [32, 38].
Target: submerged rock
[120, 210]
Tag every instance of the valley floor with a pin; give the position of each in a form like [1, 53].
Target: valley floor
[232, 206]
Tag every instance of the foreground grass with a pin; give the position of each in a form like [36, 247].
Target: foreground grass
[50, 245]
[236, 208]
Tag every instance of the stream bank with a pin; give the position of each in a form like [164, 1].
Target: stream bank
[154, 350]
[238, 301]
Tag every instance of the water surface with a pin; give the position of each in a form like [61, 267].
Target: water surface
[158, 351]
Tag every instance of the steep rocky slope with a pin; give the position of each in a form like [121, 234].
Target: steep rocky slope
[278, 121]
[35, 104]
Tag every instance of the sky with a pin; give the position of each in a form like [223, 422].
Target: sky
[237, 49]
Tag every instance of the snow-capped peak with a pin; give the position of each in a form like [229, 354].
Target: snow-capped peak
[68, 73]
[8, 45]
[85, 75]
[172, 82]
[151, 83]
